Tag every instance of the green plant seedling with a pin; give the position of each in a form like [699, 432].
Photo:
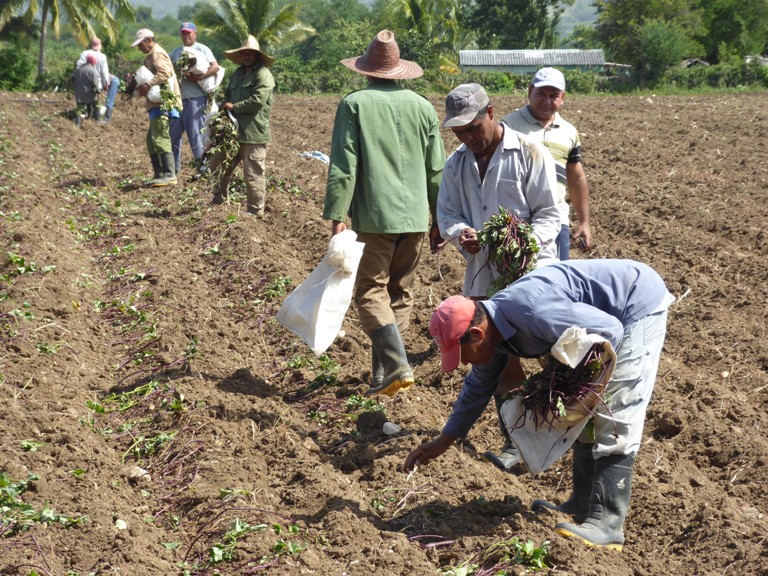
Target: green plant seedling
[30, 445]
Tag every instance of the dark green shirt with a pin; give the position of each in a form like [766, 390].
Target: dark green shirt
[251, 93]
[387, 160]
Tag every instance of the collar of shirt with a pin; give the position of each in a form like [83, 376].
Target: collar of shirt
[526, 112]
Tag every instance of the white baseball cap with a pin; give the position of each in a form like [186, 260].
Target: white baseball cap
[141, 35]
[549, 77]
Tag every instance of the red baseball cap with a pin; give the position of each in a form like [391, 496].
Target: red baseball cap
[448, 324]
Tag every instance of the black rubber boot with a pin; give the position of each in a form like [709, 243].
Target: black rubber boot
[608, 505]
[157, 168]
[583, 476]
[509, 456]
[377, 371]
[168, 176]
[388, 347]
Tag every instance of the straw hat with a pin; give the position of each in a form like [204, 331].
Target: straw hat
[250, 44]
[382, 60]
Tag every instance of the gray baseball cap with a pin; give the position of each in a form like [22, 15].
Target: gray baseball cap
[463, 104]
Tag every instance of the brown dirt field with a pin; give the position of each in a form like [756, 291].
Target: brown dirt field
[156, 285]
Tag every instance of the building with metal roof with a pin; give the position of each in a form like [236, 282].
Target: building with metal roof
[529, 61]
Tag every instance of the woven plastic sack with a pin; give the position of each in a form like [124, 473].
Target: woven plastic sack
[143, 75]
[543, 446]
[315, 310]
[200, 66]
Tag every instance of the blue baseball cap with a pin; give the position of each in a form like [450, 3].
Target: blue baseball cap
[188, 27]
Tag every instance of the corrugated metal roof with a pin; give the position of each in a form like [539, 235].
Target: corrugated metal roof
[531, 58]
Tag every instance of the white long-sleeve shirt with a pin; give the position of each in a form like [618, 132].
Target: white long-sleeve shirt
[101, 65]
[521, 177]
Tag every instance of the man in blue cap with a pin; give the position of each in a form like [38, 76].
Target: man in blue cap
[193, 100]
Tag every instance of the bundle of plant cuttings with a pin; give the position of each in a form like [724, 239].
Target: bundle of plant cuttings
[512, 247]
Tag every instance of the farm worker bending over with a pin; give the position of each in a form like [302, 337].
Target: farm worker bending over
[87, 86]
[494, 167]
[385, 165]
[109, 82]
[193, 100]
[249, 97]
[158, 137]
[540, 120]
[624, 302]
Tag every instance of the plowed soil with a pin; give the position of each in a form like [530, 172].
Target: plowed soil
[163, 411]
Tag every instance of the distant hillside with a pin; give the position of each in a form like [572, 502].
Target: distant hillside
[162, 8]
[582, 13]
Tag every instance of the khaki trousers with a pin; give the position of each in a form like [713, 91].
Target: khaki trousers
[254, 158]
[385, 276]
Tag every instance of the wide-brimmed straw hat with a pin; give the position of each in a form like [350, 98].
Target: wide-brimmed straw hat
[382, 60]
[250, 44]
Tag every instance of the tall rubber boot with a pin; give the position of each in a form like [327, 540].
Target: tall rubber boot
[377, 371]
[168, 176]
[583, 476]
[157, 168]
[608, 505]
[509, 456]
[389, 348]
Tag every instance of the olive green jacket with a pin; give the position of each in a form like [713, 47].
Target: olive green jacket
[251, 94]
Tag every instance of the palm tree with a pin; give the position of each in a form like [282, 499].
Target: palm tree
[225, 19]
[82, 14]
[437, 20]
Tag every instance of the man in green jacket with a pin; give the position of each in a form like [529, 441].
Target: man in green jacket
[386, 163]
[249, 98]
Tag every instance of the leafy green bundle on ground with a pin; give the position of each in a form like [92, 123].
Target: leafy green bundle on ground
[512, 247]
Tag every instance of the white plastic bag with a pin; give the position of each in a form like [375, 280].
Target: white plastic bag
[541, 447]
[212, 82]
[143, 75]
[200, 66]
[315, 310]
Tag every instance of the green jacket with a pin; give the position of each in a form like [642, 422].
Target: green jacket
[387, 160]
[251, 94]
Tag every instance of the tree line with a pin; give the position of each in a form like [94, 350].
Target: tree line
[40, 39]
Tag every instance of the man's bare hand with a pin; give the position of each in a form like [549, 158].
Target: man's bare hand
[468, 240]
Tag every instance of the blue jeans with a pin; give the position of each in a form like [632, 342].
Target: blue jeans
[564, 243]
[192, 122]
[619, 425]
[114, 86]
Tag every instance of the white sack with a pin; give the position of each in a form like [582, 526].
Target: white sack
[201, 66]
[212, 82]
[542, 447]
[201, 62]
[315, 310]
[143, 75]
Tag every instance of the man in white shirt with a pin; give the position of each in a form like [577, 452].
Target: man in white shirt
[109, 82]
[193, 100]
[495, 166]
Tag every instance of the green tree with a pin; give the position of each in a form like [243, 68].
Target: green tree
[516, 24]
[82, 16]
[275, 29]
[740, 25]
[620, 21]
[434, 29]
[662, 44]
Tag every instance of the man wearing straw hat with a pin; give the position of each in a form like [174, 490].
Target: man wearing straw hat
[386, 162]
[249, 97]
